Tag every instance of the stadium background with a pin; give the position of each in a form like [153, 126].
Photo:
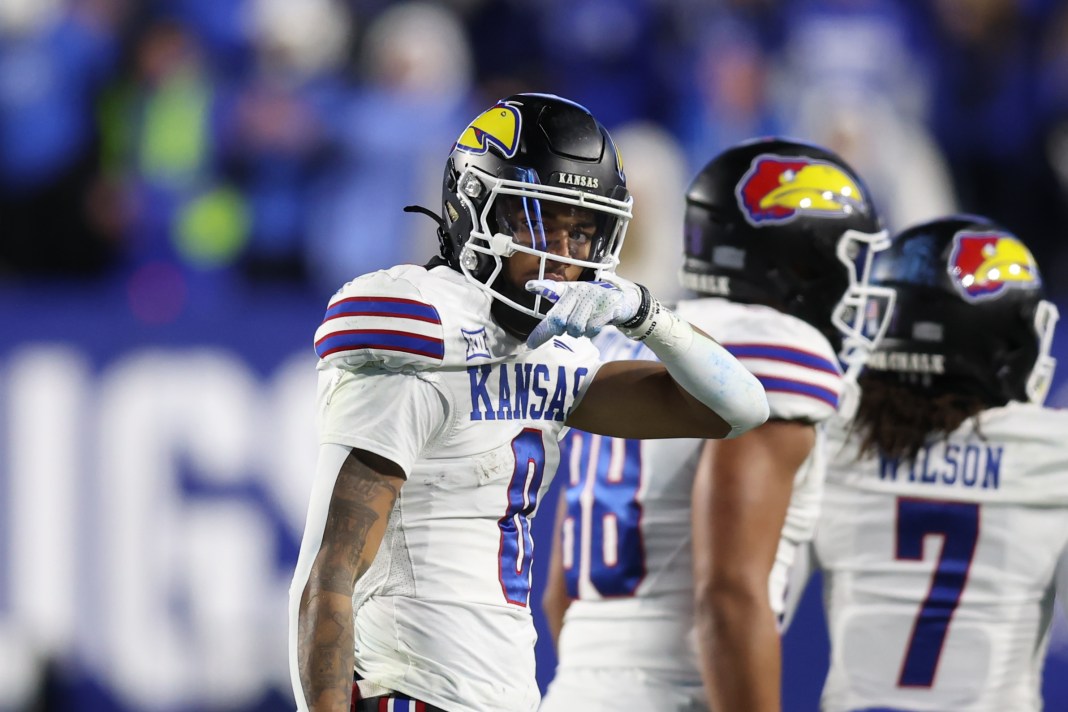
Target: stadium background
[183, 183]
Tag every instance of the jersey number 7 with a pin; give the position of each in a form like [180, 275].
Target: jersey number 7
[958, 525]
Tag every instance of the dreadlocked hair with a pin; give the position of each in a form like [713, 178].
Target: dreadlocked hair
[899, 413]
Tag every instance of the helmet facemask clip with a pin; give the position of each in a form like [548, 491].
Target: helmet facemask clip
[1041, 376]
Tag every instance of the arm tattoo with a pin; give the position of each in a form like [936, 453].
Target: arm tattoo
[355, 524]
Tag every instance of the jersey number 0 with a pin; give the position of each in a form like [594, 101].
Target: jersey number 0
[517, 545]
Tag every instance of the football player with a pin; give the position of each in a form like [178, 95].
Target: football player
[443, 393]
[946, 507]
[666, 550]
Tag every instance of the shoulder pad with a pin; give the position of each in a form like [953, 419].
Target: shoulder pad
[799, 384]
[792, 360]
[1027, 422]
[382, 319]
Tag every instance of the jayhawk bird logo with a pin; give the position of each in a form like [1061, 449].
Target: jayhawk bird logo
[776, 189]
[498, 126]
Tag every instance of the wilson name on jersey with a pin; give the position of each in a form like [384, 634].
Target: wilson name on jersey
[938, 574]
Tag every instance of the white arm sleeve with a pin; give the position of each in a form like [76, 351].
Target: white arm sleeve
[704, 368]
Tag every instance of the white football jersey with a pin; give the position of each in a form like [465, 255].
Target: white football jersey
[939, 575]
[626, 536]
[415, 369]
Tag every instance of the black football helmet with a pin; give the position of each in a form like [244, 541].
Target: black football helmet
[527, 155]
[970, 306]
[789, 225]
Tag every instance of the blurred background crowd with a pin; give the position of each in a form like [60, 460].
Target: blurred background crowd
[214, 145]
[183, 183]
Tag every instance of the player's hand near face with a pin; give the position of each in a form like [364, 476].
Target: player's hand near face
[697, 390]
[584, 308]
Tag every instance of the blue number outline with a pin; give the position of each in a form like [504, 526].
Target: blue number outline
[958, 523]
[616, 498]
[528, 448]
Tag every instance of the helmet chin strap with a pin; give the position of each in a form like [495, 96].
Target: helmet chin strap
[444, 244]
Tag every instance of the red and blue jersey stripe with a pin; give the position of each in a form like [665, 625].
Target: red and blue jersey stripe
[383, 306]
[381, 324]
[790, 370]
[786, 354]
[380, 339]
[400, 703]
[799, 388]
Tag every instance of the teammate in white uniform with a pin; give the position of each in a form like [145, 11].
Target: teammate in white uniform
[779, 275]
[443, 393]
[946, 505]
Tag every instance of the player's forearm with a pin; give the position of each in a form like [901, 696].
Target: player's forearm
[325, 625]
[740, 652]
[353, 527]
[698, 364]
[325, 649]
[704, 369]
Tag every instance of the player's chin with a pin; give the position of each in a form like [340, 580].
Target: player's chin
[551, 276]
[568, 274]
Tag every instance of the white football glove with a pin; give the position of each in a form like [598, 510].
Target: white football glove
[584, 308]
